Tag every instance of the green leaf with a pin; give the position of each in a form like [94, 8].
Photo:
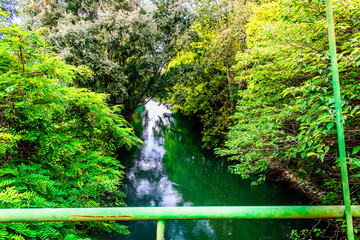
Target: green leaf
[355, 108]
[310, 154]
[329, 125]
[11, 88]
[356, 149]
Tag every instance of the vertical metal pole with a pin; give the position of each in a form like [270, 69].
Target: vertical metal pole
[160, 232]
[339, 120]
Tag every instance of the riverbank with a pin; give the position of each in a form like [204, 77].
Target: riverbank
[172, 169]
[279, 173]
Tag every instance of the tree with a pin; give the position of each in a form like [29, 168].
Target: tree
[285, 116]
[126, 45]
[57, 142]
[204, 67]
[224, 22]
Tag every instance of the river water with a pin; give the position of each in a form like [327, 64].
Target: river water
[171, 169]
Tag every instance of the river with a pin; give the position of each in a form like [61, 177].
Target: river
[171, 169]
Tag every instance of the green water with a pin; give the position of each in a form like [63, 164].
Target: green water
[172, 169]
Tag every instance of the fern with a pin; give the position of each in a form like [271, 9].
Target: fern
[16, 237]
[56, 142]
[22, 229]
[5, 183]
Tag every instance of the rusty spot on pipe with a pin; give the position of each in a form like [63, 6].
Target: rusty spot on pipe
[85, 216]
[122, 216]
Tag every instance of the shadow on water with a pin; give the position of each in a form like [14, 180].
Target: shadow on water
[171, 169]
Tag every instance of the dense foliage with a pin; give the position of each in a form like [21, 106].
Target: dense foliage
[127, 44]
[256, 73]
[206, 86]
[57, 142]
[9, 8]
[285, 113]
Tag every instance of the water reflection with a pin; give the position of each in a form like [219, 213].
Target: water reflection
[171, 169]
[147, 178]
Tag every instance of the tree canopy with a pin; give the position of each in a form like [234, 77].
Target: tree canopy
[255, 73]
[281, 113]
[126, 44]
[57, 142]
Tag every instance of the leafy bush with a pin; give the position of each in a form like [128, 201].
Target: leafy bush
[286, 115]
[56, 142]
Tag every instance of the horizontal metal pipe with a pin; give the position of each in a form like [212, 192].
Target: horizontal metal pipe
[166, 213]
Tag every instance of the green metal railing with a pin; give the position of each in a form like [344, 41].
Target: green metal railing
[171, 213]
[339, 119]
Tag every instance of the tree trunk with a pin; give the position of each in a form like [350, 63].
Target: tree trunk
[228, 72]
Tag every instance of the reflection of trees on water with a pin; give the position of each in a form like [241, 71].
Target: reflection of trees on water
[148, 183]
[163, 125]
[171, 169]
[147, 179]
